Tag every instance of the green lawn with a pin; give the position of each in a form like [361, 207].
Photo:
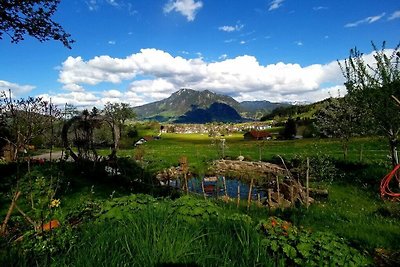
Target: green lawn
[201, 148]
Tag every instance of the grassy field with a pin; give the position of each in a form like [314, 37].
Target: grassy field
[139, 230]
[201, 149]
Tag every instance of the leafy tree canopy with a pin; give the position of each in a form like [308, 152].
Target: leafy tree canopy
[32, 17]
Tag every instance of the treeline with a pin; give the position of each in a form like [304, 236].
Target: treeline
[294, 110]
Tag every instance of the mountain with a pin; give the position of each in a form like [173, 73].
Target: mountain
[217, 112]
[181, 102]
[186, 104]
[257, 109]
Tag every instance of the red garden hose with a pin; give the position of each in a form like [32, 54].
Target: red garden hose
[385, 190]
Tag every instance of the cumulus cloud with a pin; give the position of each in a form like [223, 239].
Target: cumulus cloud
[367, 20]
[395, 15]
[151, 74]
[187, 8]
[78, 99]
[16, 89]
[275, 4]
[241, 76]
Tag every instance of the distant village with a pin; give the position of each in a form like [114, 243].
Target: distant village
[214, 128]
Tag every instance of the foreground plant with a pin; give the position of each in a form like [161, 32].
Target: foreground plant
[305, 248]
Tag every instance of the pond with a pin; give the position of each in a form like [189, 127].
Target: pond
[215, 188]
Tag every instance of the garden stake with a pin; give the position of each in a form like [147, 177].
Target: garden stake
[270, 197]
[226, 192]
[278, 192]
[13, 202]
[249, 196]
[202, 188]
[291, 195]
[238, 195]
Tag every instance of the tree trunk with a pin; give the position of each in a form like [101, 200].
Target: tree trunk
[393, 150]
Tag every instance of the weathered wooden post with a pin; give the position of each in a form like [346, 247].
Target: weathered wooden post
[202, 188]
[278, 191]
[291, 195]
[270, 197]
[249, 195]
[238, 195]
[225, 190]
[184, 166]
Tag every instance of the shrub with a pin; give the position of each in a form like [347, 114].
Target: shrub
[303, 248]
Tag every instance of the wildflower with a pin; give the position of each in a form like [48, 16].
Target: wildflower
[55, 203]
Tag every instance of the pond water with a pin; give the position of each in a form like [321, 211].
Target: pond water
[217, 188]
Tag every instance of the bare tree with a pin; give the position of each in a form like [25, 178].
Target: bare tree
[26, 119]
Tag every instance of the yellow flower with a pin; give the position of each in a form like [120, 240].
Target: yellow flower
[55, 203]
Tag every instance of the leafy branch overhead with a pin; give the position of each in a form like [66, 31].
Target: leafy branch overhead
[33, 17]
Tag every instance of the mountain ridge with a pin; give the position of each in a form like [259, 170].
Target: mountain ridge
[186, 100]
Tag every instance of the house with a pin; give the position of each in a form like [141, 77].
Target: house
[257, 135]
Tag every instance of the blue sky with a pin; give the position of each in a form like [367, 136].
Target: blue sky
[139, 51]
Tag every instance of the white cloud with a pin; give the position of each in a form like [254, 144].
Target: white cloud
[111, 42]
[187, 8]
[16, 89]
[234, 28]
[367, 20]
[112, 93]
[395, 15]
[299, 43]
[78, 99]
[153, 74]
[223, 57]
[73, 87]
[275, 4]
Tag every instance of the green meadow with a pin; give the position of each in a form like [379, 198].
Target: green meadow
[126, 219]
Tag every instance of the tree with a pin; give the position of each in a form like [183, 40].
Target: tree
[340, 118]
[32, 17]
[82, 128]
[290, 130]
[25, 119]
[116, 115]
[372, 86]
